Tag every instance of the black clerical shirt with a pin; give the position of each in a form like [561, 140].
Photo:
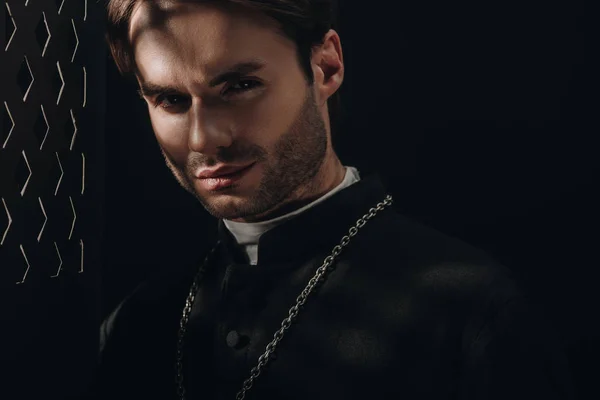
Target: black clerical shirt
[406, 312]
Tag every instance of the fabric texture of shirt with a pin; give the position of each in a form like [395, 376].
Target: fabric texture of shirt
[404, 312]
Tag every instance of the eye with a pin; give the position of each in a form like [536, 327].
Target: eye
[241, 87]
[170, 101]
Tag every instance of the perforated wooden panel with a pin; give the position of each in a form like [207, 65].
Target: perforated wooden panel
[52, 78]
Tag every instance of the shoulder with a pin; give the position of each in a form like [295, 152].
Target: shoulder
[127, 309]
[414, 245]
[148, 318]
[430, 265]
[435, 283]
[400, 233]
[441, 276]
[132, 317]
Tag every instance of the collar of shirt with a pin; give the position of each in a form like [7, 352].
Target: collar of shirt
[247, 234]
[318, 227]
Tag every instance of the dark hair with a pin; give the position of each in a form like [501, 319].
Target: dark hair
[305, 22]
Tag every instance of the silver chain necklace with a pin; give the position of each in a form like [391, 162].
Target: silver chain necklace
[285, 324]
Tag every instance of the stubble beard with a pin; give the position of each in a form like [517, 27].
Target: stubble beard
[291, 168]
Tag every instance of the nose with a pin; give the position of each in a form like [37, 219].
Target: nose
[209, 130]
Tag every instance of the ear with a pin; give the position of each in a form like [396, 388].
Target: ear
[328, 66]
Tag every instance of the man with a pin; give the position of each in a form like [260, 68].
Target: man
[317, 288]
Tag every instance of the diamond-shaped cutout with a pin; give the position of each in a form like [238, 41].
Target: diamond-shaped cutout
[71, 130]
[81, 262]
[43, 34]
[26, 262]
[56, 81]
[59, 81]
[74, 217]
[73, 40]
[82, 173]
[84, 87]
[10, 26]
[59, 5]
[56, 174]
[43, 225]
[41, 127]
[60, 262]
[5, 222]
[8, 124]
[22, 173]
[25, 78]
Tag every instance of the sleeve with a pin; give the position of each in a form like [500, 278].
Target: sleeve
[111, 367]
[516, 355]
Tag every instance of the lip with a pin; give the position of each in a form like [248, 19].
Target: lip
[219, 172]
[217, 178]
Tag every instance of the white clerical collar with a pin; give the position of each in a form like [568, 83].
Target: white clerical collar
[247, 233]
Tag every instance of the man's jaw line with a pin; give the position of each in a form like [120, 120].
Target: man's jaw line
[297, 198]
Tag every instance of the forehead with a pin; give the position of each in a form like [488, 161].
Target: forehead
[183, 36]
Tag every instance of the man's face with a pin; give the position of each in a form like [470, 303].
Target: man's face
[225, 89]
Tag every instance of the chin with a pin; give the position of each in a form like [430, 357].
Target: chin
[223, 206]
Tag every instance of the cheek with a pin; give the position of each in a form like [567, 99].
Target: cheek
[171, 134]
[271, 118]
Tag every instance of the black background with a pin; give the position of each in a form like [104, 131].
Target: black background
[479, 115]
[52, 175]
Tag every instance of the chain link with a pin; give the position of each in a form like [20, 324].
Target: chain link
[285, 324]
[187, 310]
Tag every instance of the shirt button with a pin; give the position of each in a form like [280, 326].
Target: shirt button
[233, 339]
[237, 341]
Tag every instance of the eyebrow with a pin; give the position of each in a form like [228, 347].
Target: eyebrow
[150, 89]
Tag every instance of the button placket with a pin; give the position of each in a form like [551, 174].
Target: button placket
[233, 337]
